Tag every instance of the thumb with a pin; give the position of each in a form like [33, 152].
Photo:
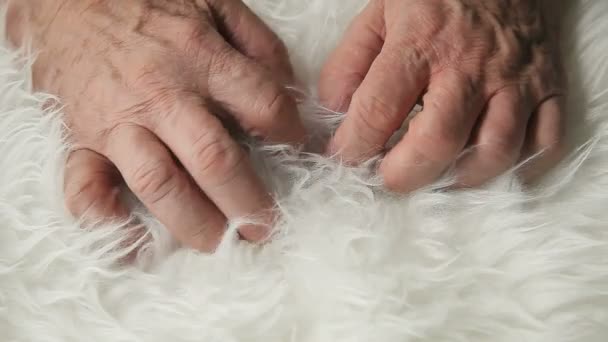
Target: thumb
[249, 35]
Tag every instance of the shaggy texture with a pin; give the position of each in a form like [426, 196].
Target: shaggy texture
[351, 263]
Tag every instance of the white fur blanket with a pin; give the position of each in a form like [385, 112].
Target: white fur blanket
[351, 264]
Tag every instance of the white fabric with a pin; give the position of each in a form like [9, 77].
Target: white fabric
[351, 263]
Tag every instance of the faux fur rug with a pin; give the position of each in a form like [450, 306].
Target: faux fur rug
[351, 263]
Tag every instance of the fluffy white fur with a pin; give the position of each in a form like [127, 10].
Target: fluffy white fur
[351, 263]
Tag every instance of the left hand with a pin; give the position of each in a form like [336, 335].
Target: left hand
[150, 89]
[491, 78]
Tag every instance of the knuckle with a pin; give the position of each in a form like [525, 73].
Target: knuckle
[192, 28]
[437, 143]
[196, 37]
[420, 54]
[503, 141]
[507, 127]
[150, 78]
[147, 72]
[217, 157]
[156, 91]
[153, 85]
[154, 181]
[89, 194]
[503, 152]
[153, 108]
[376, 114]
[464, 88]
[271, 106]
[220, 63]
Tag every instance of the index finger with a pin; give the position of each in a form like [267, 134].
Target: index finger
[437, 135]
[382, 102]
[348, 64]
[165, 189]
[218, 165]
[249, 92]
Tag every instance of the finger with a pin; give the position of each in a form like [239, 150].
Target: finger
[218, 165]
[261, 106]
[436, 136]
[351, 60]
[92, 187]
[499, 140]
[151, 173]
[248, 34]
[381, 104]
[545, 139]
[244, 88]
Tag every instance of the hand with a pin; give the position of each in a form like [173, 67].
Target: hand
[144, 82]
[491, 79]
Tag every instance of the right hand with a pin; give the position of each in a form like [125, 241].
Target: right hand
[142, 81]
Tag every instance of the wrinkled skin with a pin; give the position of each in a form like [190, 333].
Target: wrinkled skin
[148, 83]
[490, 76]
[144, 82]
